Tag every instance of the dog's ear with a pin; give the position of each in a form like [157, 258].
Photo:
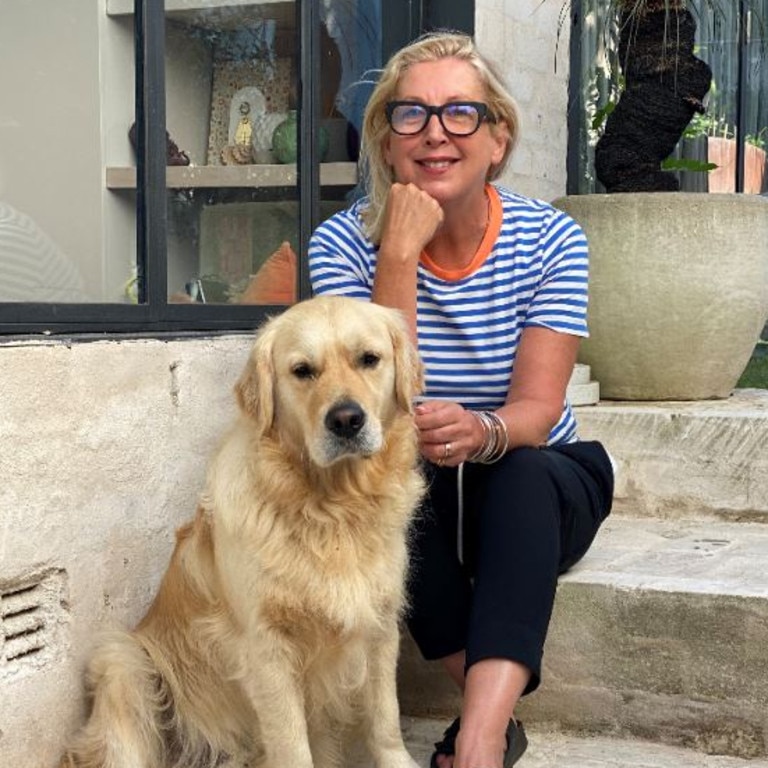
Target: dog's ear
[409, 371]
[254, 389]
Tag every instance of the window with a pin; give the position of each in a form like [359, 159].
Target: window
[732, 134]
[108, 223]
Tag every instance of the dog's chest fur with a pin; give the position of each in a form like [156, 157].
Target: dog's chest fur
[331, 563]
[330, 579]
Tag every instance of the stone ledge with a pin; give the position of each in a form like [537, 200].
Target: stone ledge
[686, 459]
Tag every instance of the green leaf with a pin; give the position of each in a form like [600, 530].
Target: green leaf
[601, 115]
[683, 164]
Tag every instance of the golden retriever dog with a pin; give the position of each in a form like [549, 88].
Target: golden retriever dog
[274, 634]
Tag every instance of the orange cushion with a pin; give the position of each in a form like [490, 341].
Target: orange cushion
[275, 282]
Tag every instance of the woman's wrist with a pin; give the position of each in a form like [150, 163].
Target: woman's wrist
[495, 441]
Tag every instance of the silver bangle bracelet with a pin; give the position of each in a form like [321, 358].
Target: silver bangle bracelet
[495, 438]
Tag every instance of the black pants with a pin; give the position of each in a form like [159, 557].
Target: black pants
[526, 519]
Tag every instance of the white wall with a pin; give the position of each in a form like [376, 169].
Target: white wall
[521, 36]
[103, 448]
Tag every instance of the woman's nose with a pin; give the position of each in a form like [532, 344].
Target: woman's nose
[434, 130]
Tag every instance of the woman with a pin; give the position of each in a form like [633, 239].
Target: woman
[494, 286]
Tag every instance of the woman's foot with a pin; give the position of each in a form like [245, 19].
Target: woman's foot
[445, 749]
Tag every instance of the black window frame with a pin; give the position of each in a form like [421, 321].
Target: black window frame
[154, 316]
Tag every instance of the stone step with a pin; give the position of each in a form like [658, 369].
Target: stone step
[687, 459]
[582, 374]
[554, 749]
[660, 632]
[581, 389]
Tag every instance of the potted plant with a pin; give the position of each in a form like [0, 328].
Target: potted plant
[679, 281]
[721, 152]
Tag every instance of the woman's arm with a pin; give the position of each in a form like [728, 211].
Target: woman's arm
[543, 368]
[411, 219]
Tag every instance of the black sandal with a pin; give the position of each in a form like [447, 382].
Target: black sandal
[447, 746]
[517, 742]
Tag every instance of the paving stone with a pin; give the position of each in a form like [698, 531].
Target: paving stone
[552, 749]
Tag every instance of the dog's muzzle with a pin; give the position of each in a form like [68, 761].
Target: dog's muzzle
[345, 420]
[349, 431]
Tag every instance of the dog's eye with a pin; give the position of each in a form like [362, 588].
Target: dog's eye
[369, 360]
[303, 371]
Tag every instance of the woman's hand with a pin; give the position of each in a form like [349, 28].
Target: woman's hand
[448, 433]
[411, 219]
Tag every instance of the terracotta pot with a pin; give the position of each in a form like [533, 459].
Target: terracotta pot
[678, 291]
[722, 152]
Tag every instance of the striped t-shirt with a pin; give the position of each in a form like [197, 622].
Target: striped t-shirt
[530, 270]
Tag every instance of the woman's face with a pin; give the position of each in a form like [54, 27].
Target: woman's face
[448, 167]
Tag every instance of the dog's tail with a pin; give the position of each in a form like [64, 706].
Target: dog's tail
[130, 704]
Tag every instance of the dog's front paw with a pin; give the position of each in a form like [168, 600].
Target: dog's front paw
[396, 759]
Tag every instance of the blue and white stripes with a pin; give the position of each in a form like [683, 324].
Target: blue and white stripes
[469, 326]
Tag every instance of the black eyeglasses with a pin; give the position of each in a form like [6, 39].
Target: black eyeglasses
[459, 118]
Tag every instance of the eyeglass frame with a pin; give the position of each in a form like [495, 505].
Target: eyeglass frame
[483, 115]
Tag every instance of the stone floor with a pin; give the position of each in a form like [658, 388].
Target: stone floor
[551, 750]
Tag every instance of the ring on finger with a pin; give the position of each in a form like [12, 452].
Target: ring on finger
[446, 450]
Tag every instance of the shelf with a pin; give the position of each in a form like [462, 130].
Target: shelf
[223, 176]
[218, 14]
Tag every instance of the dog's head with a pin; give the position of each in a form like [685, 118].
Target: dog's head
[329, 375]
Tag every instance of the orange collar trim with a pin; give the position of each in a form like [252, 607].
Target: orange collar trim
[483, 250]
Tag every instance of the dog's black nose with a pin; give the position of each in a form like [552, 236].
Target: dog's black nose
[345, 419]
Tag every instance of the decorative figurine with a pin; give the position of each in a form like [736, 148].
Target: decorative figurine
[241, 152]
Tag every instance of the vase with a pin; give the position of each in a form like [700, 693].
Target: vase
[285, 145]
[263, 129]
[678, 291]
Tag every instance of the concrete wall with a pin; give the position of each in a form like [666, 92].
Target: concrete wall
[103, 445]
[522, 37]
[103, 449]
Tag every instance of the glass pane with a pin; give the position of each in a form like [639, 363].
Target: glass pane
[58, 90]
[351, 50]
[714, 135]
[711, 137]
[231, 91]
[756, 118]
[598, 88]
[230, 81]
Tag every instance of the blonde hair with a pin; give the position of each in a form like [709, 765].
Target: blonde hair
[433, 46]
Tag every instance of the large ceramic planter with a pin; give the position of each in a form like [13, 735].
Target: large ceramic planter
[678, 291]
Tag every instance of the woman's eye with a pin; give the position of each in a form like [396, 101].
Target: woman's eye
[412, 114]
[460, 111]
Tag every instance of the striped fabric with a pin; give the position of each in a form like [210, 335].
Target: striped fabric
[32, 268]
[469, 326]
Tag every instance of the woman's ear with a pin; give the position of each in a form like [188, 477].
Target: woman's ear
[501, 138]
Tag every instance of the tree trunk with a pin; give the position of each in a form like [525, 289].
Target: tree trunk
[664, 87]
